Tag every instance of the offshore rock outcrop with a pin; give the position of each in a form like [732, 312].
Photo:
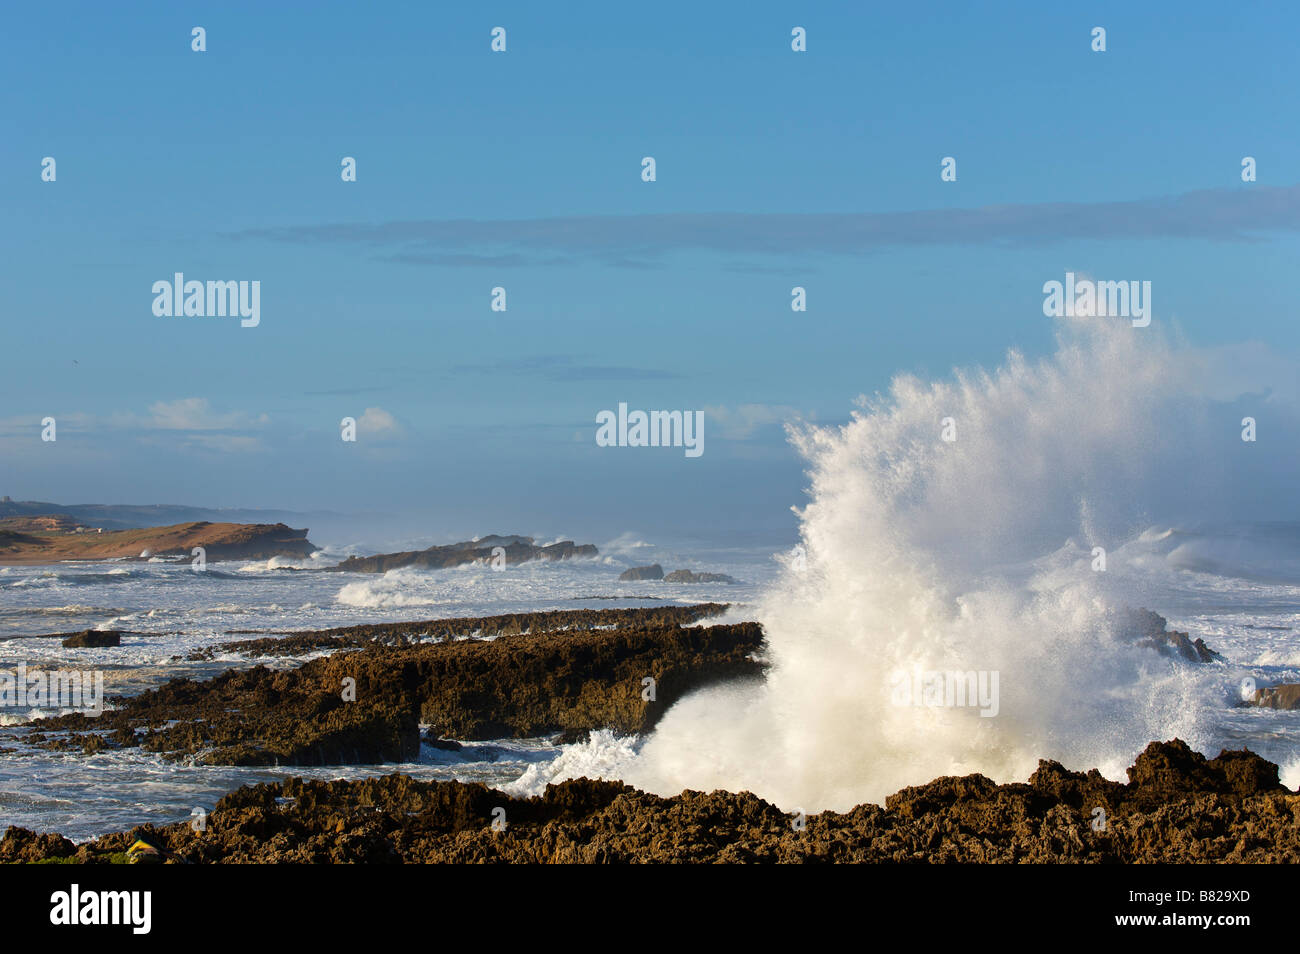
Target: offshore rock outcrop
[1285, 696]
[1152, 630]
[366, 705]
[92, 639]
[514, 549]
[1177, 806]
[652, 572]
[687, 576]
[656, 572]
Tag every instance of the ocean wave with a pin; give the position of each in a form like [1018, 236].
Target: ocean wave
[921, 554]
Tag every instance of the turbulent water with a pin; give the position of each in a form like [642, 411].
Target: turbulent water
[917, 555]
[978, 555]
[166, 611]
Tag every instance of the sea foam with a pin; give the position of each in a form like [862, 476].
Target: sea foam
[973, 555]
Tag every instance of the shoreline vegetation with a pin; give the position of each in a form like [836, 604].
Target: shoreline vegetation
[565, 673]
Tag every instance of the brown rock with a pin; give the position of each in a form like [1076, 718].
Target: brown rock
[366, 705]
[1226, 809]
[1286, 696]
[93, 639]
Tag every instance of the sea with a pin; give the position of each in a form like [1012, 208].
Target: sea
[1239, 590]
[166, 610]
[992, 524]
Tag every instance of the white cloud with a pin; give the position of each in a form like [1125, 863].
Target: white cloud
[377, 421]
[196, 414]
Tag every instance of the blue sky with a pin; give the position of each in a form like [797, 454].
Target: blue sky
[522, 169]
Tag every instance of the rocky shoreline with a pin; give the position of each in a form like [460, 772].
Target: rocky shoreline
[562, 673]
[365, 693]
[1177, 806]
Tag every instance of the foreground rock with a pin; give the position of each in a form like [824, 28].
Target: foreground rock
[1177, 807]
[513, 549]
[220, 541]
[366, 705]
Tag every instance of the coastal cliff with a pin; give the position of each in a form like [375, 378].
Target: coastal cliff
[29, 540]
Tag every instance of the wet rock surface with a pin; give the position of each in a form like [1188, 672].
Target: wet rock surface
[92, 639]
[464, 627]
[512, 549]
[687, 576]
[1152, 630]
[1286, 696]
[1178, 806]
[365, 702]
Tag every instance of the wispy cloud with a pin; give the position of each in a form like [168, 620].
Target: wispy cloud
[193, 414]
[565, 368]
[185, 422]
[1240, 214]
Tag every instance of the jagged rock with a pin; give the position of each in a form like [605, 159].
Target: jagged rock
[20, 845]
[686, 576]
[516, 549]
[1177, 807]
[1167, 770]
[652, 572]
[1151, 630]
[366, 705]
[93, 639]
[1286, 696]
[421, 631]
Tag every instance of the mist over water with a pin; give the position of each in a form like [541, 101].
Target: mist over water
[973, 555]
